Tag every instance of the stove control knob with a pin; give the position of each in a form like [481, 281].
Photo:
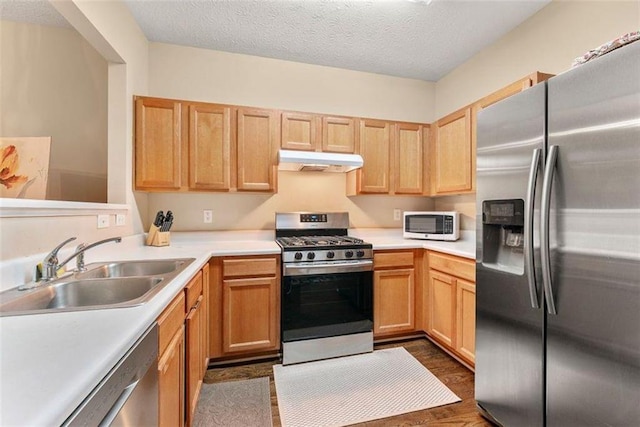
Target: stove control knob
[331, 254]
[298, 255]
[348, 254]
[360, 254]
[311, 255]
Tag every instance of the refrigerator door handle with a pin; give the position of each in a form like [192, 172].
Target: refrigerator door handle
[545, 210]
[528, 227]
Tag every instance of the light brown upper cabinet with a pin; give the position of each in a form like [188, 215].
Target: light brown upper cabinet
[339, 134]
[453, 154]
[315, 132]
[394, 155]
[300, 131]
[409, 172]
[257, 134]
[453, 142]
[209, 147]
[195, 146]
[158, 142]
[375, 149]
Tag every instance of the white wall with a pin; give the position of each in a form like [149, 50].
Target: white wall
[547, 42]
[54, 84]
[211, 76]
[111, 30]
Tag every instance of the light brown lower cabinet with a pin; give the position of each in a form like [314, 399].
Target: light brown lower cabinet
[171, 383]
[194, 347]
[171, 364]
[466, 319]
[451, 304]
[394, 280]
[183, 352]
[244, 306]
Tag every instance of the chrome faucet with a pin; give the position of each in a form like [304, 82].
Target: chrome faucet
[50, 265]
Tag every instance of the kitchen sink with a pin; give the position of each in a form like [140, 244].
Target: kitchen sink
[103, 285]
[132, 268]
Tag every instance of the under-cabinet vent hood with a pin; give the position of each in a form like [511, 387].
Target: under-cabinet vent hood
[290, 160]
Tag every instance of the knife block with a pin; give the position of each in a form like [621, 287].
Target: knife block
[157, 237]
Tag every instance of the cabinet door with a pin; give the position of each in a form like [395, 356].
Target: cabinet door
[206, 289]
[375, 149]
[209, 147]
[339, 134]
[408, 159]
[158, 140]
[171, 383]
[258, 136]
[299, 131]
[466, 319]
[453, 155]
[193, 358]
[394, 301]
[251, 314]
[442, 303]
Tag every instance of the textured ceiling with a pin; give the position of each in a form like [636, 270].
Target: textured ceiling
[395, 37]
[404, 38]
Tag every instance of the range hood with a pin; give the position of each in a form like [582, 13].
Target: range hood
[315, 161]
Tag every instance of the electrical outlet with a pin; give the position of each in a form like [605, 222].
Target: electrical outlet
[397, 214]
[103, 221]
[207, 216]
[121, 219]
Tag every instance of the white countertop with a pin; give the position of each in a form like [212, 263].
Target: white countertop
[50, 362]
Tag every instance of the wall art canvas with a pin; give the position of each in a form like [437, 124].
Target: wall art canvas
[24, 167]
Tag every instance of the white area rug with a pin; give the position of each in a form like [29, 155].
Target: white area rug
[349, 390]
[234, 404]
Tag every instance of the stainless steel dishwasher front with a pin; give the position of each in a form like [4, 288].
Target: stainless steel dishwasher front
[128, 394]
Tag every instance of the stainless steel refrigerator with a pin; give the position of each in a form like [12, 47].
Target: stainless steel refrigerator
[558, 249]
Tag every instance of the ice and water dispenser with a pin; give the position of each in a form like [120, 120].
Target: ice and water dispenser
[503, 235]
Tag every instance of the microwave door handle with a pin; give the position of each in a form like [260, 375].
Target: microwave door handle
[528, 228]
[545, 211]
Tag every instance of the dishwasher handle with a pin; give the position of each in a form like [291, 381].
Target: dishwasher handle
[122, 399]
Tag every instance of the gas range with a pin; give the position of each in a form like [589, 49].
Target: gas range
[318, 237]
[327, 287]
[323, 248]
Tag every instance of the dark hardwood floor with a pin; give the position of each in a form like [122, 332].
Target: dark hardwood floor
[458, 378]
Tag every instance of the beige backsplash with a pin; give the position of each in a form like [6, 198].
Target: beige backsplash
[297, 191]
[466, 205]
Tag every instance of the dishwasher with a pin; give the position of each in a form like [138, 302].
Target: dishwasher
[128, 394]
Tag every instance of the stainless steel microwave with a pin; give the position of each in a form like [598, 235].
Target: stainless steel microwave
[431, 225]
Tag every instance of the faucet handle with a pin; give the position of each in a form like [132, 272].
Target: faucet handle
[53, 255]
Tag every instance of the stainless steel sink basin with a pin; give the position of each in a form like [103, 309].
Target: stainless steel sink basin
[103, 285]
[132, 268]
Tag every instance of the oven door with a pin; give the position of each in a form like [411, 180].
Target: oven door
[326, 300]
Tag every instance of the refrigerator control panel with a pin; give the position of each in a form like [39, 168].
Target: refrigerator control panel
[503, 212]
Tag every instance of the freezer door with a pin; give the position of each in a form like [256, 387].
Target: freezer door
[509, 329]
[593, 347]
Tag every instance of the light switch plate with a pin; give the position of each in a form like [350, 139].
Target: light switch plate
[121, 219]
[103, 221]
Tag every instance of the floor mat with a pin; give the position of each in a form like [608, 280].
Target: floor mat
[234, 403]
[348, 390]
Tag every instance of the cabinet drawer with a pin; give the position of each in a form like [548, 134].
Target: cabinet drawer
[392, 259]
[193, 290]
[170, 321]
[453, 265]
[249, 267]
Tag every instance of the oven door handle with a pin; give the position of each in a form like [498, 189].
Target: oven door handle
[327, 268]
